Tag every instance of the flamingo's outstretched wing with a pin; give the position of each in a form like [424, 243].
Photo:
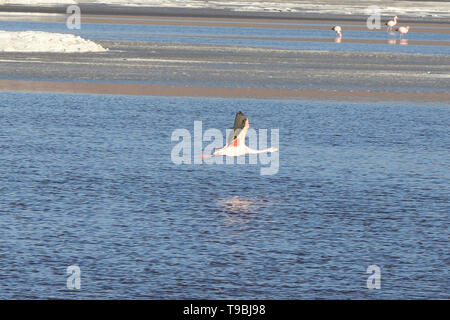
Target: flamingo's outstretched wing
[236, 137]
[240, 128]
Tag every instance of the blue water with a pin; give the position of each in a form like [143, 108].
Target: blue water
[88, 180]
[208, 35]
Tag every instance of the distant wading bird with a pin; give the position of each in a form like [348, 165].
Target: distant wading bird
[338, 31]
[236, 141]
[402, 30]
[391, 23]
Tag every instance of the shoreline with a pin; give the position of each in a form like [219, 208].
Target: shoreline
[350, 95]
[170, 67]
[137, 11]
[177, 20]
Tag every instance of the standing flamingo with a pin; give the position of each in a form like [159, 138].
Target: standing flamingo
[236, 141]
[391, 23]
[402, 30]
[338, 30]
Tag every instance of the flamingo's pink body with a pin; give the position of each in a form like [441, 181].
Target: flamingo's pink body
[402, 30]
[338, 30]
[237, 146]
[391, 23]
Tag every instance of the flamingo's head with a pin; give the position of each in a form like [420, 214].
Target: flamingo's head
[337, 29]
[395, 18]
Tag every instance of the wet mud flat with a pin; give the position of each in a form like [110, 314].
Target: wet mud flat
[172, 64]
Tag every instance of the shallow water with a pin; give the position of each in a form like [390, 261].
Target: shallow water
[214, 35]
[88, 180]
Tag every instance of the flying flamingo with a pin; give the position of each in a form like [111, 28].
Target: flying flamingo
[338, 30]
[391, 23]
[236, 141]
[402, 30]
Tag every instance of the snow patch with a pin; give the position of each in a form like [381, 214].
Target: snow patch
[39, 41]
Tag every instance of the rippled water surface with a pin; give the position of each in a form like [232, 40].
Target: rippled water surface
[88, 180]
